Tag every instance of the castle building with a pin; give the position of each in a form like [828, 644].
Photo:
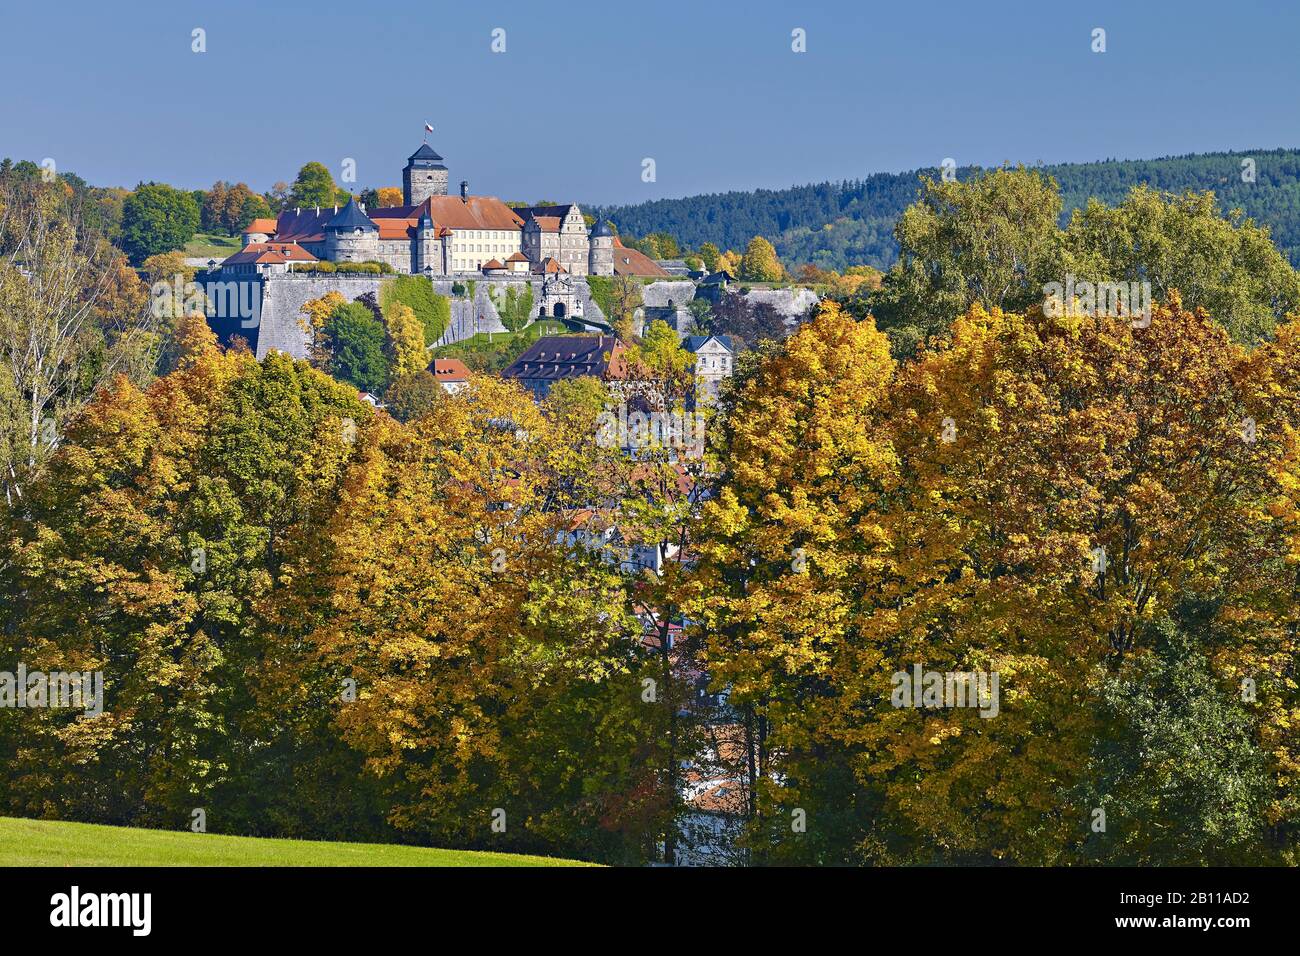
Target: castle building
[435, 234]
[556, 232]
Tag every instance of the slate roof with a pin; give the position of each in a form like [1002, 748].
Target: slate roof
[351, 217]
[693, 343]
[535, 212]
[555, 357]
[302, 225]
[426, 158]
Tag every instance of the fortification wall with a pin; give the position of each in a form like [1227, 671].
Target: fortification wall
[283, 296]
[792, 304]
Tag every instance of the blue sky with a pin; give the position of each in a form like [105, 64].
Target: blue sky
[585, 91]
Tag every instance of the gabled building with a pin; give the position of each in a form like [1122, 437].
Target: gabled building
[553, 358]
[268, 258]
[714, 360]
[451, 373]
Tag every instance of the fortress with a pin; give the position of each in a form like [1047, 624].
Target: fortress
[473, 249]
[438, 235]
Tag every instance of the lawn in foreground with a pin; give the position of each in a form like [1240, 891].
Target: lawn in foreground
[54, 843]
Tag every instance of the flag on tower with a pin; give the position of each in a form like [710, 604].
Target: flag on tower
[428, 128]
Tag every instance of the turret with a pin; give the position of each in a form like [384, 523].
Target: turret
[351, 235]
[600, 250]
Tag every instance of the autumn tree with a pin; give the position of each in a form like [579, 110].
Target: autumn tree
[805, 457]
[760, 263]
[72, 316]
[709, 253]
[149, 552]
[314, 314]
[404, 343]
[1040, 524]
[496, 688]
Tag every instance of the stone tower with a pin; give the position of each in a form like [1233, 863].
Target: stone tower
[424, 176]
[351, 235]
[600, 255]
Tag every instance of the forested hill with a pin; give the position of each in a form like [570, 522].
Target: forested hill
[834, 225]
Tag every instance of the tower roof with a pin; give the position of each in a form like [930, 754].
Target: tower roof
[351, 217]
[601, 229]
[425, 157]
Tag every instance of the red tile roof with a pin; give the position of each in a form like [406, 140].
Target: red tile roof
[270, 253]
[478, 212]
[630, 262]
[449, 370]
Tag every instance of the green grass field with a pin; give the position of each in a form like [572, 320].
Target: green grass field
[206, 246]
[53, 843]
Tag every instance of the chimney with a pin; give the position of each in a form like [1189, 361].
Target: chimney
[464, 190]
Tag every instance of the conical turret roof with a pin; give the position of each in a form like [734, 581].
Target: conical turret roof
[351, 217]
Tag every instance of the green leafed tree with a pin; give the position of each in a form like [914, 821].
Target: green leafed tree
[313, 187]
[514, 306]
[355, 341]
[1225, 264]
[157, 218]
[992, 239]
